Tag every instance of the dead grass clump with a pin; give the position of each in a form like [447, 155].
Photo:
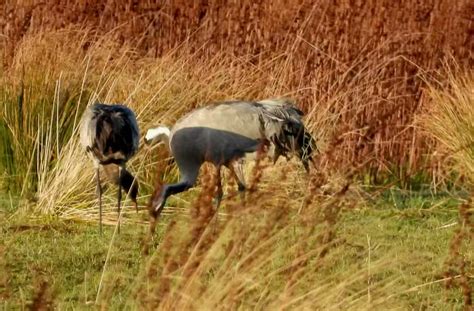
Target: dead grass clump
[450, 120]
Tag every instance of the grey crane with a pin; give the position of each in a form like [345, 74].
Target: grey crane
[222, 134]
[110, 136]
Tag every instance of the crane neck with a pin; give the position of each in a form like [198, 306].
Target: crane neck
[160, 134]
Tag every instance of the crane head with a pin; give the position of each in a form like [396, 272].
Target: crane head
[157, 135]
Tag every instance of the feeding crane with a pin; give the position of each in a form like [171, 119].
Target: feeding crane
[110, 136]
[222, 134]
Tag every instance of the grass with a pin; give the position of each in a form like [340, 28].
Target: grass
[70, 256]
[401, 251]
[451, 120]
[318, 241]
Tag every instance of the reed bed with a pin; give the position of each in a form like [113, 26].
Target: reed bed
[375, 50]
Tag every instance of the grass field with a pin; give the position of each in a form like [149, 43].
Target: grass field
[384, 220]
[388, 254]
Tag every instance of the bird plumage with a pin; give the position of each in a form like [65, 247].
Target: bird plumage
[278, 122]
[223, 133]
[158, 135]
[110, 133]
[110, 136]
[292, 136]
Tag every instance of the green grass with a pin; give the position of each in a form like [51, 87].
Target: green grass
[412, 242]
[68, 255]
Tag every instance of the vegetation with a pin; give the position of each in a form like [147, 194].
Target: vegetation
[364, 60]
[383, 256]
[384, 220]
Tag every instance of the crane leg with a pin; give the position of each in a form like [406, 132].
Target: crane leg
[99, 196]
[219, 192]
[136, 206]
[276, 155]
[236, 169]
[119, 198]
[218, 196]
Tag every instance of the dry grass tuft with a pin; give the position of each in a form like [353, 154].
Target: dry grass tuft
[450, 120]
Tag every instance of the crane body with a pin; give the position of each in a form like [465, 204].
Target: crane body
[223, 134]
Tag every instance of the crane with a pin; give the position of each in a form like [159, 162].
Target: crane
[110, 136]
[222, 134]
